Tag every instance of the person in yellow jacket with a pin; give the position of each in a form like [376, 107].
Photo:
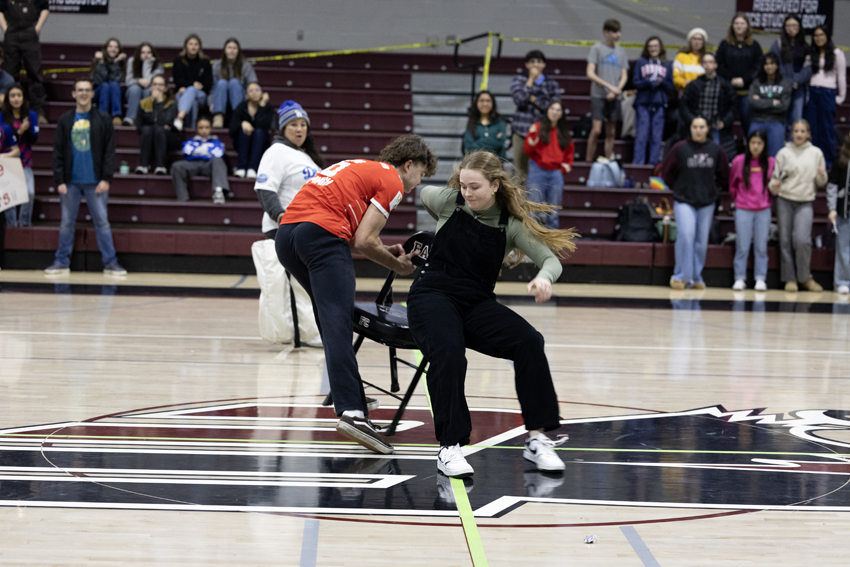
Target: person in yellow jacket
[686, 66]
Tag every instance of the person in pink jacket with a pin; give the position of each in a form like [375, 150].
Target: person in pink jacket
[748, 180]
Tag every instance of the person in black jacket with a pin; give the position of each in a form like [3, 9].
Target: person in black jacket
[83, 164]
[249, 128]
[694, 169]
[713, 98]
[738, 61]
[192, 75]
[155, 125]
[108, 69]
[838, 202]
[22, 22]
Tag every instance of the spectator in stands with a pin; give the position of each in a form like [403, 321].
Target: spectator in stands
[291, 161]
[532, 93]
[800, 169]
[796, 66]
[23, 123]
[550, 151]
[838, 200]
[203, 156]
[155, 126]
[9, 148]
[485, 129]
[748, 180]
[608, 71]
[231, 76]
[83, 164]
[694, 169]
[142, 67]
[653, 78]
[713, 98]
[22, 22]
[769, 99]
[192, 75]
[6, 80]
[738, 61]
[686, 65]
[249, 129]
[108, 69]
[827, 90]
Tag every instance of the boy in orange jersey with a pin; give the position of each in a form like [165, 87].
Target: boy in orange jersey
[344, 207]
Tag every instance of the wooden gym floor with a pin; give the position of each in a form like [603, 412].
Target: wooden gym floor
[144, 422]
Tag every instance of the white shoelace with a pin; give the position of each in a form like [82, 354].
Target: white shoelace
[546, 442]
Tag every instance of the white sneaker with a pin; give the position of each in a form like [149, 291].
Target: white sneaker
[178, 124]
[540, 450]
[142, 170]
[251, 174]
[760, 285]
[239, 173]
[739, 285]
[843, 289]
[451, 462]
[218, 196]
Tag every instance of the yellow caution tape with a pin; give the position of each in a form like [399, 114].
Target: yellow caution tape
[485, 77]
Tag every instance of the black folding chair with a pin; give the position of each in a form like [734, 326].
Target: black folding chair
[386, 323]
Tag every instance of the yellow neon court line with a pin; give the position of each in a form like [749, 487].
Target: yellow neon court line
[470, 529]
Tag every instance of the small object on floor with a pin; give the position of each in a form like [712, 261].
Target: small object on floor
[362, 431]
[160, 171]
[129, 122]
[114, 269]
[791, 286]
[739, 285]
[811, 285]
[372, 403]
[590, 539]
[540, 450]
[676, 284]
[698, 285]
[251, 174]
[239, 173]
[218, 196]
[760, 286]
[178, 124]
[57, 269]
[843, 289]
[116, 121]
[142, 170]
[218, 121]
[452, 463]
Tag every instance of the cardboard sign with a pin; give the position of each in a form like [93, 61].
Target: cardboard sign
[13, 185]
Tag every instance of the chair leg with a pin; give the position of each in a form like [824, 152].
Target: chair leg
[329, 400]
[394, 387]
[400, 412]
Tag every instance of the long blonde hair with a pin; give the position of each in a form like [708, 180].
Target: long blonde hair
[514, 197]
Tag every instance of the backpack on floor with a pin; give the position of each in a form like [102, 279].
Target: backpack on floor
[605, 174]
[635, 222]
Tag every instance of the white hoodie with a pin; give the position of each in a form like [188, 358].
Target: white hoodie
[797, 168]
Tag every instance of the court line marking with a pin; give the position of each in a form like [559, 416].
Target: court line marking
[382, 484]
[643, 552]
[130, 335]
[701, 349]
[134, 451]
[467, 520]
[310, 544]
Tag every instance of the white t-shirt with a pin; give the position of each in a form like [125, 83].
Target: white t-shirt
[283, 170]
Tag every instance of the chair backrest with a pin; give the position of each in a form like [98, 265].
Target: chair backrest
[423, 241]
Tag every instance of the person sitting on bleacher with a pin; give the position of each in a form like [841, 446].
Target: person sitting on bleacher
[532, 94]
[485, 129]
[203, 156]
[249, 129]
[155, 126]
[108, 69]
[141, 69]
[231, 76]
[192, 74]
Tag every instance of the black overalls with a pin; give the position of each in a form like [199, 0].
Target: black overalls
[21, 44]
[452, 306]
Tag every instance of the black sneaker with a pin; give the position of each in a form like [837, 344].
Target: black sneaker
[362, 431]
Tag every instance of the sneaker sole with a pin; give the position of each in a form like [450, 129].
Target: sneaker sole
[111, 273]
[373, 404]
[529, 456]
[368, 441]
[58, 272]
[463, 474]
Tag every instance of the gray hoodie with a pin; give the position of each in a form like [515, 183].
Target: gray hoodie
[797, 168]
[248, 73]
[764, 109]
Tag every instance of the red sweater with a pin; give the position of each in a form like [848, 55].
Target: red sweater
[550, 156]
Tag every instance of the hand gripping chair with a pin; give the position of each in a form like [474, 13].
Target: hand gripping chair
[386, 323]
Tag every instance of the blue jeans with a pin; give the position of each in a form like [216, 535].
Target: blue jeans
[545, 186]
[189, 102]
[97, 208]
[6, 81]
[742, 103]
[135, 94]
[649, 125]
[224, 91]
[109, 98]
[251, 149]
[775, 135]
[693, 226]
[795, 110]
[751, 227]
[820, 113]
[25, 218]
[842, 251]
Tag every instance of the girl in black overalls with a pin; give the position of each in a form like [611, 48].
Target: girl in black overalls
[452, 306]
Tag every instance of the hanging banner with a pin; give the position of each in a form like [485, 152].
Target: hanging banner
[768, 15]
[80, 6]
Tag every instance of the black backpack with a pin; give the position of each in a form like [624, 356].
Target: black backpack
[635, 222]
[583, 126]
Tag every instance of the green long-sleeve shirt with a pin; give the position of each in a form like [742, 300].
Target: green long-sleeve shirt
[440, 204]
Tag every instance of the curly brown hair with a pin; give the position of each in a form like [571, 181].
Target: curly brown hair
[409, 147]
[512, 195]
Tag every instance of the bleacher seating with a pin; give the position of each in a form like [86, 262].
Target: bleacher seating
[357, 104]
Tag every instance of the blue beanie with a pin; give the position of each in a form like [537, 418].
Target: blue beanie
[289, 111]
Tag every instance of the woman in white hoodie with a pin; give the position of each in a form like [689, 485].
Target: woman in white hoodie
[799, 170]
